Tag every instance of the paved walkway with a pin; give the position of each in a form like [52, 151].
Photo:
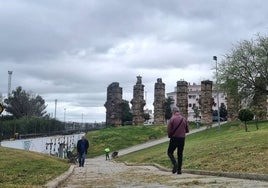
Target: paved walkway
[99, 173]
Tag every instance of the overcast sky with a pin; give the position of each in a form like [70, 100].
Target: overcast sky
[71, 50]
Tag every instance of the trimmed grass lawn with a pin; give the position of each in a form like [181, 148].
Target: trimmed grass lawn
[228, 149]
[20, 168]
[122, 137]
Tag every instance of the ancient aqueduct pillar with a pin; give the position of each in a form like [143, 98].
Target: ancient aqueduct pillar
[113, 105]
[138, 102]
[182, 98]
[159, 102]
[206, 102]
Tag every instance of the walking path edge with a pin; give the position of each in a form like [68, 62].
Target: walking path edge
[57, 181]
[251, 176]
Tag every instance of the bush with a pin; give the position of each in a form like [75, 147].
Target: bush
[245, 115]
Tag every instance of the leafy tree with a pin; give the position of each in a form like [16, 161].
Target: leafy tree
[168, 103]
[22, 104]
[30, 126]
[146, 116]
[259, 114]
[215, 113]
[126, 112]
[246, 62]
[245, 115]
[223, 110]
[196, 112]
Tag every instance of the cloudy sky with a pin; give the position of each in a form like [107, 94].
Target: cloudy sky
[72, 50]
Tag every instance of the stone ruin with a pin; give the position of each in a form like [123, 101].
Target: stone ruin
[114, 102]
[233, 101]
[113, 105]
[260, 99]
[159, 102]
[182, 98]
[206, 102]
[138, 102]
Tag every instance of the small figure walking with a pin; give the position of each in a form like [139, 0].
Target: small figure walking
[82, 147]
[107, 152]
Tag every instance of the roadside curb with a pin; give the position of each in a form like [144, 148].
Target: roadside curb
[57, 181]
[250, 176]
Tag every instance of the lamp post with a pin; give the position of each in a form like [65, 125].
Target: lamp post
[9, 83]
[217, 91]
[55, 114]
[64, 115]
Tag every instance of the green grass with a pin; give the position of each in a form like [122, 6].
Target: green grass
[23, 169]
[122, 137]
[19, 168]
[229, 148]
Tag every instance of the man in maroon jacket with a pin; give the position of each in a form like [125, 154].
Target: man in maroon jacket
[177, 129]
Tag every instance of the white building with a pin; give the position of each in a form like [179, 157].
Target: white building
[194, 93]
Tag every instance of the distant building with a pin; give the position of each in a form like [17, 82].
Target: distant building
[194, 93]
[151, 120]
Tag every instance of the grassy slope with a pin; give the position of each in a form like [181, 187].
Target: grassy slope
[23, 169]
[122, 137]
[227, 149]
[20, 168]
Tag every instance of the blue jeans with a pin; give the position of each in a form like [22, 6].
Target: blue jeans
[82, 157]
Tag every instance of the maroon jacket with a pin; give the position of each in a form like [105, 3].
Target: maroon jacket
[174, 122]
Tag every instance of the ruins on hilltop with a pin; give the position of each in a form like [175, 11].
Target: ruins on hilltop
[186, 97]
[138, 103]
[233, 101]
[260, 99]
[182, 97]
[113, 105]
[206, 101]
[159, 102]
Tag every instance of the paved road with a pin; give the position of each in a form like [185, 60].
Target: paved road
[99, 173]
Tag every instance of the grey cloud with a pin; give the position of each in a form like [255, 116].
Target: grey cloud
[72, 50]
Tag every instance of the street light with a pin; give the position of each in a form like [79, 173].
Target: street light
[217, 90]
[9, 83]
[55, 115]
[64, 115]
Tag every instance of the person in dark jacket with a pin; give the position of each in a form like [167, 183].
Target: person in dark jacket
[177, 129]
[82, 147]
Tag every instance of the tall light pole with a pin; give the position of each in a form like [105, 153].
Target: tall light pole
[55, 116]
[217, 90]
[64, 115]
[9, 83]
